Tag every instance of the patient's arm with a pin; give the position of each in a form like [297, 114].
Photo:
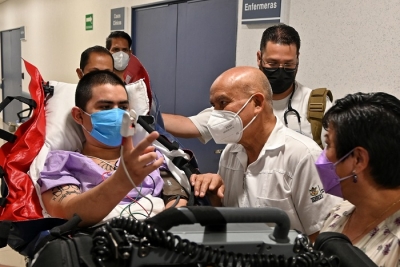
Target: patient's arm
[173, 193]
[95, 204]
[181, 203]
[180, 126]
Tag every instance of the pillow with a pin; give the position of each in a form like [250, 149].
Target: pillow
[62, 132]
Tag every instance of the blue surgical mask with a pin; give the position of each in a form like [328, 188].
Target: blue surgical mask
[106, 125]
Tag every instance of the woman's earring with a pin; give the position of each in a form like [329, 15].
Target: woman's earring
[355, 177]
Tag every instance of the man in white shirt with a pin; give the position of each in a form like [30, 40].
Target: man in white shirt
[265, 164]
[278, 58]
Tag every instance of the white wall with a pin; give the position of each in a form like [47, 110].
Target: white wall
[55, 31]
[347, 46]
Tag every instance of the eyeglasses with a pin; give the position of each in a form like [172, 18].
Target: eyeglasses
[272, 66]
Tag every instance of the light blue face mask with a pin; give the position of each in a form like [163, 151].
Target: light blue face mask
[106, 125]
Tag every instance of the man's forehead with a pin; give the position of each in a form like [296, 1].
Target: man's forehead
[118, 41]
[226, 85]
[107, 88]
[99, 56]
[272, 47]
[218, 94]
[100, 62]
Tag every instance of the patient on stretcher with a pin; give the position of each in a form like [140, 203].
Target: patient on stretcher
[106, 178]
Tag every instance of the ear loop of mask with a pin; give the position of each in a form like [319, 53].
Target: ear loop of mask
[240, 110]
[82, 120]
[353, 173]
[250, 122]
[342, 158]
[245, 104]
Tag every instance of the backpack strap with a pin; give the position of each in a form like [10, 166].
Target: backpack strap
[316, 110]
[9, 137]
[5, 227]
[3, 189]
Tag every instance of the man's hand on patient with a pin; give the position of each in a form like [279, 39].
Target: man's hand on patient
[209, 183]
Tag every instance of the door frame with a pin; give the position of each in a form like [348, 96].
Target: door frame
[193, 144]
[2, 68]
[152, 5]
[1, 52]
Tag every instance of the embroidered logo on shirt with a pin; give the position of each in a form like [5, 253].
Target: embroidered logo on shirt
[316, 193]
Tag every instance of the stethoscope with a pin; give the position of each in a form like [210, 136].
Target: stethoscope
[290, 109]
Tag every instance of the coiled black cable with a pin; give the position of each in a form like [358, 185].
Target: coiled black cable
[104, 248]
[102, 241]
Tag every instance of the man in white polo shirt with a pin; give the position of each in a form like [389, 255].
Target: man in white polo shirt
[265, 164]
[278, 58]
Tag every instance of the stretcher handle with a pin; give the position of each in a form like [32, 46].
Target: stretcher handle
[214, 216]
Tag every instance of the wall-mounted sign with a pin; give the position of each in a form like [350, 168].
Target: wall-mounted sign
[117, 19]
[22, 33]
[261, 11]
[89, 22]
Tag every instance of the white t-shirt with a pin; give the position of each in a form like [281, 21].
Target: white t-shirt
[299, 103]
[283, 176]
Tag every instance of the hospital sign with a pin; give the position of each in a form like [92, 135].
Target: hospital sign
[254, 11]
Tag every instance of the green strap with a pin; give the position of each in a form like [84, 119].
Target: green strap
[316, 110]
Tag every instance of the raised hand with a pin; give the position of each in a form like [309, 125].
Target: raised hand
[140, 160]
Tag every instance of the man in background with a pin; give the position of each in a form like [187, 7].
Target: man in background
[95, 58]
[119, 44]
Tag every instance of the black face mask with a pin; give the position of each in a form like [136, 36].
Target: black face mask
[279, 79]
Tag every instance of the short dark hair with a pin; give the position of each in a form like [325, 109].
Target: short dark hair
[97, 77]
[280, 34]
[94, 49]
[118, 34]
[371, 121]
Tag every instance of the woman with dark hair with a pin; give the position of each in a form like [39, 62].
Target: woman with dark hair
[361, 163]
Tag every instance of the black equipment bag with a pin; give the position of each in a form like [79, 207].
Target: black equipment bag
[191, 236]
